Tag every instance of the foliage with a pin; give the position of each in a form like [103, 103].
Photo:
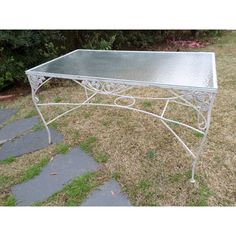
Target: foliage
[62, 148]
[22, 49]
[35, 169]
[101, 158]
[109, 39]
[8, 160]
[87, 144]
[10, 201]
[151, 154]
[73, 193]
[129, 39]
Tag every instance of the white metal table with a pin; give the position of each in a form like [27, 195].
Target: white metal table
[189, 77]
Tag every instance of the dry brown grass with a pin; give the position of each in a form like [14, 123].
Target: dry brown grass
[126, 137]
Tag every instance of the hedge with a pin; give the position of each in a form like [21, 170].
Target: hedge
[23, 49]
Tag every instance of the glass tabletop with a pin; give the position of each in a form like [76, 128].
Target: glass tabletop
[178, 70]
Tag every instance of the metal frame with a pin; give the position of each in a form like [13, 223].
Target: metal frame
[212, 89]
[200, 101]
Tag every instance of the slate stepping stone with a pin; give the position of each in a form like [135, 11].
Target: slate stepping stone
[108, 194]
[28, 143]
[16, 128]
[6, 114]
[58, 172]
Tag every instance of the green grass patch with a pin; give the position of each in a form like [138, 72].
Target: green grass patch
[143, 189]
[97, 99]
[8, 160]
[151, 154]
[144, 185]
[147, 104]
[4, 180]
[47, 85]
[76, 135]
[62, 148]
[197, 134]
[73, 193]
[30, 114]
[199, 195]
[34, 170]
[217, 158]
[176, 177]
[86, 115]
[101, 158]
[173, 125]
[54, 125]
[57, 99]
[87, 144]
[10, 201]
[38, 126]
[204, 193]
[37, 204]
[105, 123]
[116, 175]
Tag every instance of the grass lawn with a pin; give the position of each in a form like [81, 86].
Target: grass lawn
[137, 150]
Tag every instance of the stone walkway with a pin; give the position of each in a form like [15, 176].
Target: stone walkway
[16, 128]
[61, 170]
[28, 143]
[108, 194]
[6, 114]
[17, 138]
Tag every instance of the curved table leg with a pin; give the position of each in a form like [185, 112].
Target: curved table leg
[36, 82]
[203, 105]
[44, 122]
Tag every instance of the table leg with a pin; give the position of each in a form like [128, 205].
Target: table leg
[36, 82]
[44, 122]
[202, 103]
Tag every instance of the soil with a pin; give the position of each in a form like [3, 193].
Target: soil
[14, 92]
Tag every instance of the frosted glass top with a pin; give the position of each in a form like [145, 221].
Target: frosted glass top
[178, 70]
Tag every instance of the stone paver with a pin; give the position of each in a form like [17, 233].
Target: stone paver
[108, 194]
[28, 143]
[16, 128]
[58, 172]
[6, 114]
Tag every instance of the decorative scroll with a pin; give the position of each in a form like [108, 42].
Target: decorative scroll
[104, 87]
[35, 82]
[202, 100]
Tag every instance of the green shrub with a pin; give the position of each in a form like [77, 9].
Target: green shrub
[129, 39]
[23, 49]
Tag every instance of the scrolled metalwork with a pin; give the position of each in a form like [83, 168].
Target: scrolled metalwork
[36, 81]
[201, 99]
[103, 87]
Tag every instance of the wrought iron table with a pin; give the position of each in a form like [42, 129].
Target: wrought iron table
[189, 77]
